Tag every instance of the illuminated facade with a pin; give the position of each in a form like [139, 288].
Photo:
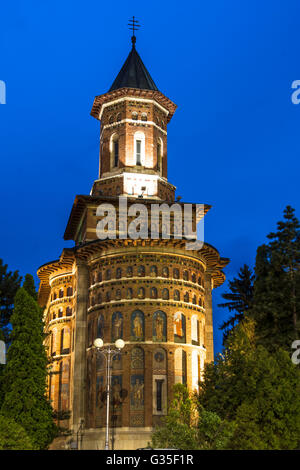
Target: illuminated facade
[153, 293]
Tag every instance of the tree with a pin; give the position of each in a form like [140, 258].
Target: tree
[25, 374]
[29, 286]
[256, 390]
[187, 428]
[13, 436]
[177, 430]
[276, 301]
[239, 298]
[9, 284]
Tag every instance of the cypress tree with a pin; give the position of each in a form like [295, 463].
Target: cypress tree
[9, 284]
[25, 374]
[29, 286]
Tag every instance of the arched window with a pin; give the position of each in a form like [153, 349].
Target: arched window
[116, 326]
[99, 298]
[114, 150]
[159, 154]
[194, 300]
[61, 293]
[65, 337]
[139, 148]
[68, 311]
[176, 273]
[118, 294]
[69, 291]
[141, 271]
[137, 326]
[99, 276]
[134, 116]
[118, 117]
[176, 295]
[159, 327]
[195, 330]
[129, 271]
[108, 274]
[194, 277]
[118, 273]
[144, 116]
[165, 271]
[111, 119]
[107, 296]
[100, 326]
[153, 271]
[165, 294]
[141, 293]
[180, 366]
[185, 275]
[153, 293]
[60, 313]
[137, 358]
[179, 327]
[129, 293]
[186, 297]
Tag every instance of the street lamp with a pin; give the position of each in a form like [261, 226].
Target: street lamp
[109, 353]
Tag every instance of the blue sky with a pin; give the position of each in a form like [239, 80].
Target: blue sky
[233, 141]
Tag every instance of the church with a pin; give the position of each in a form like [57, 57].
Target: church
[151, 292]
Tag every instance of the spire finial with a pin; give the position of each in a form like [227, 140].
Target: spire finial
[134, 26]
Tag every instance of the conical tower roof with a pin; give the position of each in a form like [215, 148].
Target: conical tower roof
[133, 74]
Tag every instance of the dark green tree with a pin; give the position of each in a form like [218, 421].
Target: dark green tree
[276, 302]
[239, 298]
[29, 286]
[256, 390]
[188, 426]
[13, 436]
[9, 284]
[25, 374]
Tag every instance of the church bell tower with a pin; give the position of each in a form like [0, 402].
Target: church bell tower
[152, 293]
[134, 117]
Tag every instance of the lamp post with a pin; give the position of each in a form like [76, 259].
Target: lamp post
[109, 353]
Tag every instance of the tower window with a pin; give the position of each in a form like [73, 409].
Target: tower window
[116, 153]
[114, 150]
[138, 150]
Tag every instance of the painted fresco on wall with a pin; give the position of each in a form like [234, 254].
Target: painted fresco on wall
[137, 326]
[117, 326]
[137, 392]
[100, 326]
[179, 328]
[100, 391]
[117, 362]
[159, 326]
[116, 387]
[159, 359]
[100, 362]
[64, 397]
[137, 358]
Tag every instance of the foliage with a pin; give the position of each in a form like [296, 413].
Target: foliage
[256, 390]
[9, 284]
[13, 436]
[25, 374]
[29, 286]
[187, 428]
[276, 302]
[239, 298]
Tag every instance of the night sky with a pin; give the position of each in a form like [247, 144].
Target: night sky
[232, 143]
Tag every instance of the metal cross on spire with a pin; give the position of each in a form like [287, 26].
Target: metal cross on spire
[134, 26]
